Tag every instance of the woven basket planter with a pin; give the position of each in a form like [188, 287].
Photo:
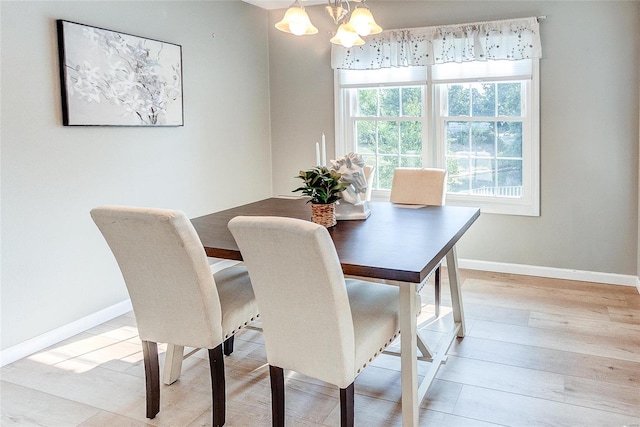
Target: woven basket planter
[324, 214]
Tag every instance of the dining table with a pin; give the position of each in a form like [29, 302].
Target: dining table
[396, 244]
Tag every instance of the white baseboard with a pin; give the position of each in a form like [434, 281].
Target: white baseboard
[45, 340]
[551, 272]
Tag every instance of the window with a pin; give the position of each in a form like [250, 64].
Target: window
[388, 129]
[482, 125]
[385, 119]
[479, 120]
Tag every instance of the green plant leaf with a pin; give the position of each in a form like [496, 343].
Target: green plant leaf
[322, 185]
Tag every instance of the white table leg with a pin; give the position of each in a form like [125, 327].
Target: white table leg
[456, 294]
[172, 363]
[409, 354]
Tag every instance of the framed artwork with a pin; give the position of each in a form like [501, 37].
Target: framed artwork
[115, 79]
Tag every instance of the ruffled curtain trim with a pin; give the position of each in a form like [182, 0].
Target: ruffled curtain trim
[512, 39]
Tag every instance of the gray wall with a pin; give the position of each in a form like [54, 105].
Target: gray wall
[589, 125]
[56, 268]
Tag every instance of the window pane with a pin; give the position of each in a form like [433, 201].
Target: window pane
[483, 99]
[386, 166]
[458, 100]
[410, 162]
[457, 137]
[388, 137]
[510, 174]
[510, 139]
[509, 99]
[458, 177]
[365, 137]
[483, 138]
[369, 160]
[381, 140]
[367, 102]
[410, 137]
[483, 178]
[412, 101]
[390, 102]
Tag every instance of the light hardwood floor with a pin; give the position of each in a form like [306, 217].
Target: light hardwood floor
[538, 352]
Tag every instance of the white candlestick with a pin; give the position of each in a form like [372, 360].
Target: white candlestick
[324, 152]
[317, 154]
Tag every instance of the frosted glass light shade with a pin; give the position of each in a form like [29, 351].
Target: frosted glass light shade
[347, 36]
[296, 21]
[363, 22]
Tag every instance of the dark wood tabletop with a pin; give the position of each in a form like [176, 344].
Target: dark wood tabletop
[394, 243]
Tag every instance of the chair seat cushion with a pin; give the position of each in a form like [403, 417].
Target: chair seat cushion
[374, 309]
[236, 298]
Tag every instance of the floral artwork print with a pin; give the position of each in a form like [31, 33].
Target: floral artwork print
[116, 79]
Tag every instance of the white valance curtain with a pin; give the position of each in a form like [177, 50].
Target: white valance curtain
[512, 39]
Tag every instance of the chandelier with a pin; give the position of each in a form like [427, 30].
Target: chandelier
[350, 29]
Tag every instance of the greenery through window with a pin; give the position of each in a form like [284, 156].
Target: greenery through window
[388, 129]
[483, 127]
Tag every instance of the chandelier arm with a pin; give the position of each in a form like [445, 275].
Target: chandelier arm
[336, 10]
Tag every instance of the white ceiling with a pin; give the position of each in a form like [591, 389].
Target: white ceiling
[281, 4]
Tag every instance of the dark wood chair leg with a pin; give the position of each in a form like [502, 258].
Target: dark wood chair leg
[152, 377]
[277, 396]
[216, 365]
[346, 406]
[228, 345]
[437, 290]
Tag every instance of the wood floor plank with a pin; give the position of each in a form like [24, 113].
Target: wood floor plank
[624, 315]
[78, 345]
[108, 390]
[516, 410]
[104, 418]
[603, 395]
[556, 340]
[625, 296]
[585, 326]
[571, 302]
[505, 378]
[23, 406]
[538, 352]
[431, 418]
[569, 363]
[442, 396]
[513, 316]
[544, 385]
[550, 284]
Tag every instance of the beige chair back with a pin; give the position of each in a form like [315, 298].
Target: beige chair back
[301, 294]
[413, 186]
[166, 272]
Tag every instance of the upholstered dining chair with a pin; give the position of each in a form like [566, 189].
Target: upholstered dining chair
[175, 297]
[414, 186]
[314, 321]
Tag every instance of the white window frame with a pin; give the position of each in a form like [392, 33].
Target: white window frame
[433, 152]
[346, 105]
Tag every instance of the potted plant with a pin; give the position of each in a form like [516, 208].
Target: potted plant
[324, 188]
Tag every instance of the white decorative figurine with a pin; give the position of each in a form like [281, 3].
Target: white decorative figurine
[354, 203]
